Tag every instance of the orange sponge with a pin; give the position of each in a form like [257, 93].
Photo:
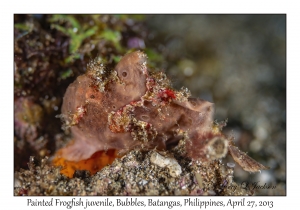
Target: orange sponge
[93, 164]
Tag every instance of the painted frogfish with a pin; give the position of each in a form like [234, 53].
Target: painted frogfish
[132, 107]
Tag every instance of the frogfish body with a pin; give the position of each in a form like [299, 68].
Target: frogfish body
[132, 107]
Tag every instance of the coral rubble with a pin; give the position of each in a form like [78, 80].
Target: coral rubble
[136, 173]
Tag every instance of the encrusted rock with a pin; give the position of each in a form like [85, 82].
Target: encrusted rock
[136, 173]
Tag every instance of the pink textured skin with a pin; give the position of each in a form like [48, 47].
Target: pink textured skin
[163, 112]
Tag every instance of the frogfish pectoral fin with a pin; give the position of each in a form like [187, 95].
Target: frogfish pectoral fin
[246, 162]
